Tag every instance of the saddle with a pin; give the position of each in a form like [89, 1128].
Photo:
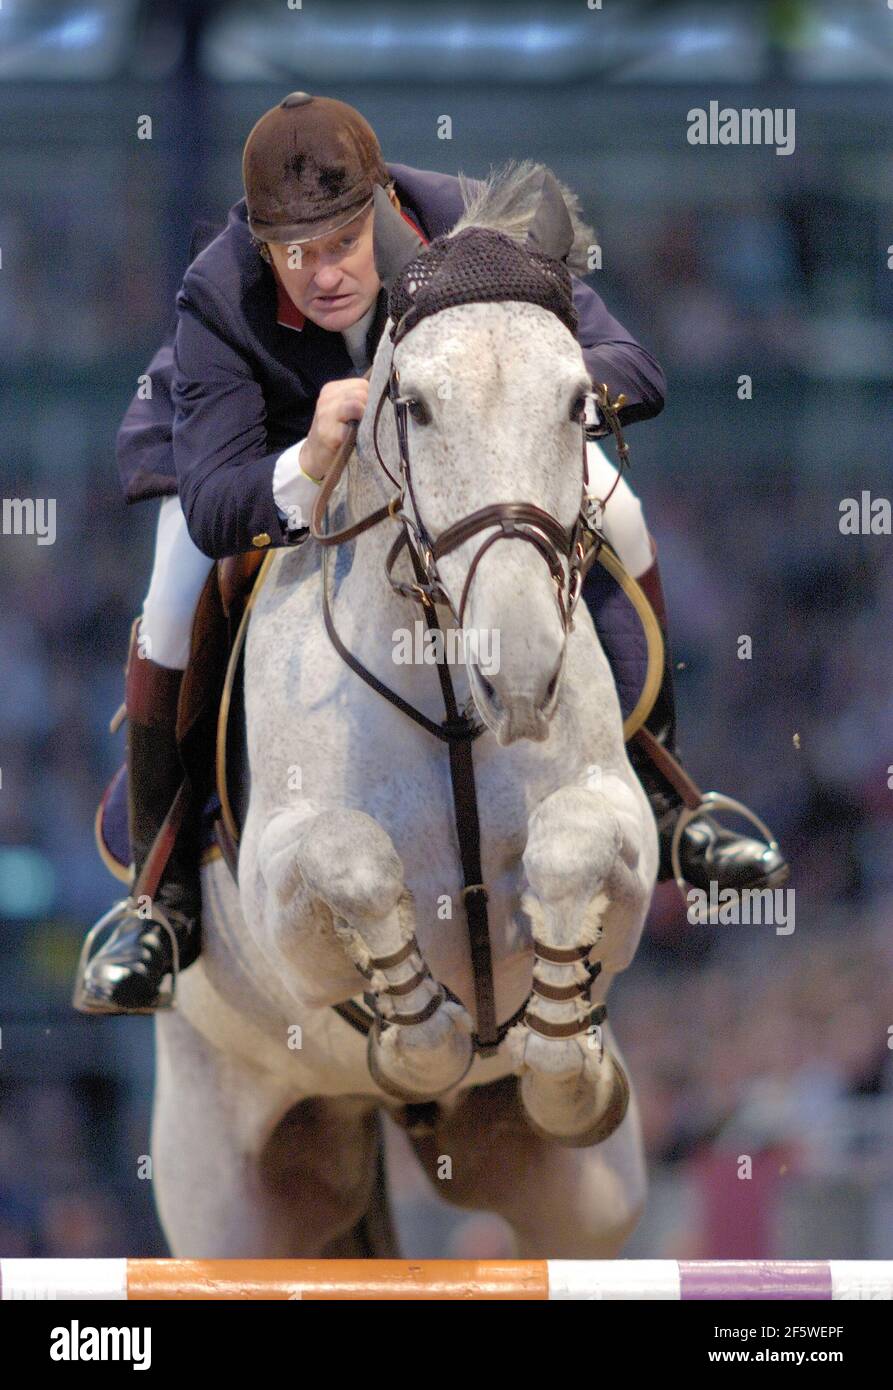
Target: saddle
[210, 715]
[210, 708]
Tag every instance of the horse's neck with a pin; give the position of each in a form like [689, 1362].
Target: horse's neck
[364, 494]
[367, 489]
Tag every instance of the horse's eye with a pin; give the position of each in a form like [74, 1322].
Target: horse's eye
[419, 412]
[578, 408]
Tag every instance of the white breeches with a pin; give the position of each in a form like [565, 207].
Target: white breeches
[623, 522]
[179, 572]
[180, 569]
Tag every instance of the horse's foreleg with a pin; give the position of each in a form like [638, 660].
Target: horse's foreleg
[421, 1044]
[588, 893]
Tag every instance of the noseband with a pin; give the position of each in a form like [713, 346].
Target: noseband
[560, 546]
[521, 520]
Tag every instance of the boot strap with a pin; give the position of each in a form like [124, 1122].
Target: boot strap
[157, 859]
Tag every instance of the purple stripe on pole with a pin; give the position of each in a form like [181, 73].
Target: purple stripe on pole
[707, 1279]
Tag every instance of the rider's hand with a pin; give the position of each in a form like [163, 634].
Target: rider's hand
[338, 403]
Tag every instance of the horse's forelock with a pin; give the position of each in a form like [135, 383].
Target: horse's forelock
[507, 201]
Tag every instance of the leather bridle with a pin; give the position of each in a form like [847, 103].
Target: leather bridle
[515, 519]
[521, 520]
[568, 551]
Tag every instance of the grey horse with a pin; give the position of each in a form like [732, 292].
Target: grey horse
[266, 1134]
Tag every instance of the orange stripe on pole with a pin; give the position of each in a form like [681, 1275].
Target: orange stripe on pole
[337, 1279]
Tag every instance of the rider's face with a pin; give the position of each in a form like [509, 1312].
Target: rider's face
[332, 280]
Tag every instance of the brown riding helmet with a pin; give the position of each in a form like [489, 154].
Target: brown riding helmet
[309, 167]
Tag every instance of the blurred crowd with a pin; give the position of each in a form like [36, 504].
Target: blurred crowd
[739, 1041]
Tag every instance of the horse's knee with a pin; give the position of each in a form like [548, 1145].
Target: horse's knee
[342, 857]
[350, 861]
[573, 842]
[341, 866]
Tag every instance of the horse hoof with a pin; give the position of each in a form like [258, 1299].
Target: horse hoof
[404, 1093]
[610, 1119]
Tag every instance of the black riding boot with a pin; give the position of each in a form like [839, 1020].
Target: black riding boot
[707, 851]
[126, 973]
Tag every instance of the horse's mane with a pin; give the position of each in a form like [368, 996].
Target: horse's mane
[507, 200]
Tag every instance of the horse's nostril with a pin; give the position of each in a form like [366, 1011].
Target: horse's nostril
[550, 688]
[488, 688]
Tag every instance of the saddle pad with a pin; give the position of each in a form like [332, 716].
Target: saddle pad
[622, 634]
[113, 836]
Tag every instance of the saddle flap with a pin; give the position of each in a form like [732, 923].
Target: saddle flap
[113, 835]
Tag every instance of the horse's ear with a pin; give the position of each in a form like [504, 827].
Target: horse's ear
[551, 231]
[394, 243]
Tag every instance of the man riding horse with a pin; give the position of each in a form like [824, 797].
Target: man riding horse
[252, 395]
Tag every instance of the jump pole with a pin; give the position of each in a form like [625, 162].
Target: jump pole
[539, 1280]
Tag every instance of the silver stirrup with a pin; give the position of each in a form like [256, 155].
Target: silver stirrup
[712, 801]
[126, 907]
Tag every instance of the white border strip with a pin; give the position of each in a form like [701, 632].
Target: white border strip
[104, 1280]
[598, 1280]
[852, 1279]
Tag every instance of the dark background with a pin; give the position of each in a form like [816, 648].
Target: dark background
[722, 261]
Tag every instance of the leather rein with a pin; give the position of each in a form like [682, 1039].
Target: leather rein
[575, 547]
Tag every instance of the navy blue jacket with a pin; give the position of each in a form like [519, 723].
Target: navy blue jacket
[234, 386]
